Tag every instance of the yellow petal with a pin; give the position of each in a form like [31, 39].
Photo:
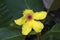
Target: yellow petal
[26, 29]
[37, 26]
[40, 15]
[27, 11]
[20, 21]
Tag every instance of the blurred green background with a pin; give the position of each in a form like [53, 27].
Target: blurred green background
[12, 9]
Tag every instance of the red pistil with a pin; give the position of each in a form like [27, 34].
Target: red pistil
[29, 17]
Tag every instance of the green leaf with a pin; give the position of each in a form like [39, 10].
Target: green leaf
[12, 9]
[36, 5]
[53, 34]
[20, 5]
[56, 28]
[8, 33]
[16, 7]
[17, 38]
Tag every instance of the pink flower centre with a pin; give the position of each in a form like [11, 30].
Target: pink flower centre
[29, 17]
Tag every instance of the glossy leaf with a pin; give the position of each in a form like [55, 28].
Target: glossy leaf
[53, 34]
[8, 33]
[12, 9]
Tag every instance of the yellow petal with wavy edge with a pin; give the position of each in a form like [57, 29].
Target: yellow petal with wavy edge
[26, 28]
[40, 15]
[27, 11]
[20, 21]
[37, 26]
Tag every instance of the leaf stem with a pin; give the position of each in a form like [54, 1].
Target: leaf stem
[26, 4]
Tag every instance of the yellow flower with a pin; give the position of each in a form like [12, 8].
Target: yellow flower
[28, 21]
